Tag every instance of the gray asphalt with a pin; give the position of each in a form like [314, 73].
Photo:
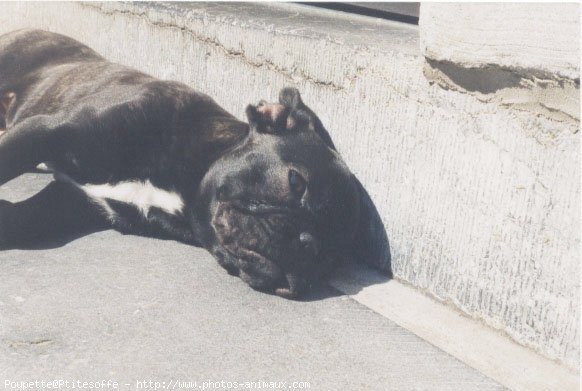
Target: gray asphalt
[127, 309]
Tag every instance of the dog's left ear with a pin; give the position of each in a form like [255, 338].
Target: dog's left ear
[371, 244]
[290, 98]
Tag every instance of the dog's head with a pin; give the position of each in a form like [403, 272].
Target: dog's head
[283, 208]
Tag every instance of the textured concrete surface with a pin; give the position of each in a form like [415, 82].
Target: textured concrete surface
[481, 201]
[127, 309]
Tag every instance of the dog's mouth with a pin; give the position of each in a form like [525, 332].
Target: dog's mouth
[260, 239]
[287, 285]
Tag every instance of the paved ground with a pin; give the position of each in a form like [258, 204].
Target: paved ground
[108, 306]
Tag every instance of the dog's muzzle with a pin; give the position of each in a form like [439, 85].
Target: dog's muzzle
[269, 249]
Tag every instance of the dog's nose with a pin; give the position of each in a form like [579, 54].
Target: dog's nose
[309, 243]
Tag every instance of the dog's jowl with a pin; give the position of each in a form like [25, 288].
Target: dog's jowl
[270, 198]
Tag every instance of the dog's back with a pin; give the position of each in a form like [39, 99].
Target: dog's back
[24, 51]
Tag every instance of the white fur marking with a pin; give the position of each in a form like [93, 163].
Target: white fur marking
[143, 195]
[59, 176]
[45, 167]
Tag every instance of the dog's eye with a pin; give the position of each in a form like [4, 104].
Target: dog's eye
[297, 183]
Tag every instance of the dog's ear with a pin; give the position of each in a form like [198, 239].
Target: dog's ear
[371, 244]
[267, 117]
[287, 115]
[291, 98]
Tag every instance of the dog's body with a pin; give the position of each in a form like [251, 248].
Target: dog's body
[156, 158]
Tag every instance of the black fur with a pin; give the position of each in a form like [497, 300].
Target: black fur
[97, 122]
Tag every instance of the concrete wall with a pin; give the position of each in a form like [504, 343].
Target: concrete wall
[481, 199]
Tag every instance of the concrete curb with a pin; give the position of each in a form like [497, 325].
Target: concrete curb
[483, 348]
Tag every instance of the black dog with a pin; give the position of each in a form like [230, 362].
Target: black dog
[272, 200]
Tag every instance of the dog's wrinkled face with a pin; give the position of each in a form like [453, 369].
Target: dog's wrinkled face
[282, 207]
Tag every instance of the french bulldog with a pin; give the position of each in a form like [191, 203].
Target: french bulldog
[271, 199]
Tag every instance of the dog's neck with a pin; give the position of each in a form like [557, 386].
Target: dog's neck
[202, 137]
[218, 135]
[213, 131]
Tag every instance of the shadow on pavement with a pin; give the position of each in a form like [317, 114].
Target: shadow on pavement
[367, 263]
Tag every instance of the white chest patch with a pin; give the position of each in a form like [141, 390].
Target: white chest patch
[143, 195]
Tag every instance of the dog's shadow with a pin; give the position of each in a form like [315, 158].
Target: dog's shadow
[53, 243]
[347, 280]
[369, 264]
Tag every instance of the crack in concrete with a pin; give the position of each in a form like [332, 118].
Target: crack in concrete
[553, 110]
[38, 342]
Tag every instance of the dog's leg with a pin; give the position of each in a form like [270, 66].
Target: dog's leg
[27, 144]
[56, 213]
